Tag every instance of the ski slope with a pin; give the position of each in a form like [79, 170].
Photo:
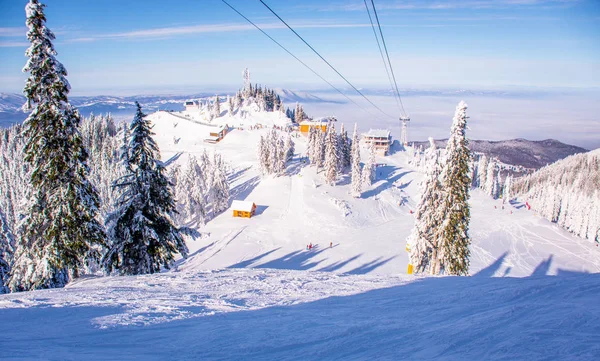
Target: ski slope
[251, 291]
[367, 233]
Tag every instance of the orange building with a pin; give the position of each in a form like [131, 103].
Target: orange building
[305, 125]
[243, 209]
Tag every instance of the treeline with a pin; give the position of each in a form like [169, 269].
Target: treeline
[566, 192]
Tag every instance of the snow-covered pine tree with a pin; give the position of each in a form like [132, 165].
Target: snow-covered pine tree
[281, 156]
[496, 188]
[368, 171]
[456, 183]
[319, 149]
[143, 237]
[506, 191]
[347, 149]
[229, 104]
[7, 244]
[424, 240]
[289, 147]
[262, 157]
[60, 236]
[220, 186]
[356, 172]
[192, 192]
[342, 149]
[482, 167]
[217, 107]
[332, 160]
[490, 178]
[311, 144]
[297, 114]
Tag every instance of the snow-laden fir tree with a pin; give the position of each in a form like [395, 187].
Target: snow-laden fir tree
[282, 154]
[506, 192]
[216, 107]
[191, 194]
[7, 244]
[490, 178]
[229, 104]
[311, 145]
[61, 235]
[142, 234]
[482, 168]
[299, 113]
[424, 240]
[289, 147]
[455, 240]
[356, 171]
[496, 187]
[343, 149]
[319, 148]
[332, 160]
[368, 171]
[220, 186]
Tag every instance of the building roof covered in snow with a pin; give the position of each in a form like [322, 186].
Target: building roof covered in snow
[318, 121]
[244, 206]
[377, 133]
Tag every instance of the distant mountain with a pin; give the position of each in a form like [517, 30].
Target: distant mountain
[520, 152]
[124, 107]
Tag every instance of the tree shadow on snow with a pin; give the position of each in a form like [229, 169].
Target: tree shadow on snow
[243, 190]
[386, 177]
[304, 260]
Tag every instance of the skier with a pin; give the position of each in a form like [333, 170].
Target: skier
[330, 244]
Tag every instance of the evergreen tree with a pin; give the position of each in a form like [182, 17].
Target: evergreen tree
[220, 186]
[455, 239]
[230, 105]
[356, 172]
[60, 236]
[506, 191]
[143, 237]
[331, 155]
[319, 149]
[289, 148]
[217, 107]
[482, 171]
[368, 172]
[490, 178]
[424, 238]
[7, 243]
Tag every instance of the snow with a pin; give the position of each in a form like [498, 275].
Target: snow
[242, 206]
[378, 133]
[241, 314]
[251, 290]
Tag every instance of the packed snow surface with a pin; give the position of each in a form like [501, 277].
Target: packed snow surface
[251, 290]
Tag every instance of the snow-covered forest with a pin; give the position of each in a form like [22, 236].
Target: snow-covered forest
[567, 193]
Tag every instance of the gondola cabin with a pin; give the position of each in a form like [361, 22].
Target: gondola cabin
[243, 209]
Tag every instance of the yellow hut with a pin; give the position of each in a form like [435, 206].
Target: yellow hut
[321, 124]
[243, 209]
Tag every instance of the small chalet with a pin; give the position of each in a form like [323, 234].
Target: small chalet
[243, 209]
[216, 134]
[191, 105]
[380, 138]
[320, 123]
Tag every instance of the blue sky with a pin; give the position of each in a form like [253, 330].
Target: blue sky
[114, 46]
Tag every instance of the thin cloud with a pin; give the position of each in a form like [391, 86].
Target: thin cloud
[445, 5]
[19, 31]
[13, 44]
[167, 32]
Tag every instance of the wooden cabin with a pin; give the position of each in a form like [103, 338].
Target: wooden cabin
[243, 209]
[380, 138]
[191, 105]
[216, 135]
[321, 123]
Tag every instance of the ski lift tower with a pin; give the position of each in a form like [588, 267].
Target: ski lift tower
[404, 135]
